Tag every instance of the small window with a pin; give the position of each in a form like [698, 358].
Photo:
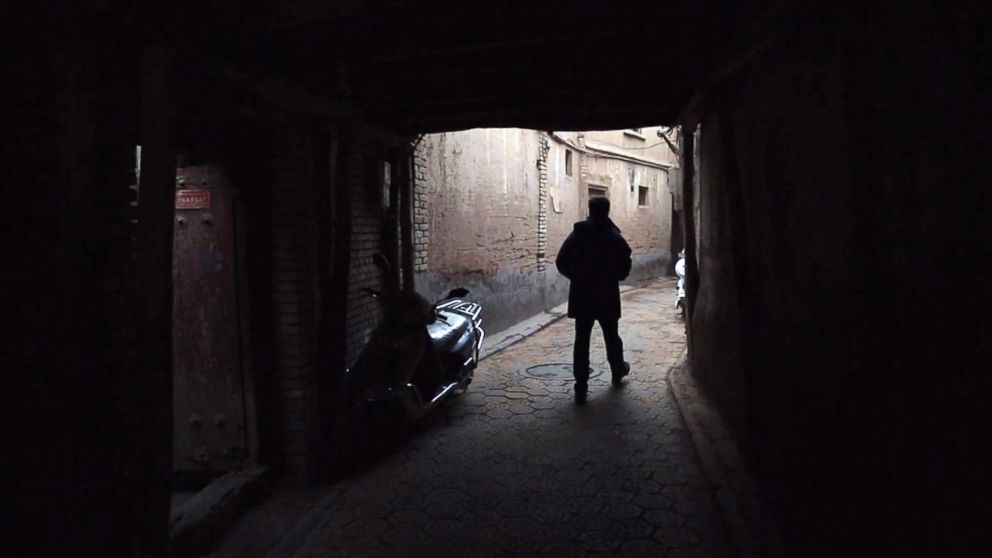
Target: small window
[642, 196]
[568, 162]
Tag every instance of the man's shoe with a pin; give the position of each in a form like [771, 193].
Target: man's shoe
[618, 377]
[581, 391]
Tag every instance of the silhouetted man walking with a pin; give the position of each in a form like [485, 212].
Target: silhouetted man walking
[595, 258]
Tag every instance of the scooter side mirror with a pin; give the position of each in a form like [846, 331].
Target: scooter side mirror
[458, 293]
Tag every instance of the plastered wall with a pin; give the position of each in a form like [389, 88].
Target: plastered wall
[481, 191]
[647, 227]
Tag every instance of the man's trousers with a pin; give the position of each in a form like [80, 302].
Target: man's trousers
[614, 347]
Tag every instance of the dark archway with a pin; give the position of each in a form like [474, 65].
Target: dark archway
[841, 208]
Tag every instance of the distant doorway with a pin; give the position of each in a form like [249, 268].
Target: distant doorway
[598, 192]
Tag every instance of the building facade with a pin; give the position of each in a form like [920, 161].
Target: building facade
[493, 206]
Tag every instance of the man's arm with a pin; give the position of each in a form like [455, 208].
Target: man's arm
[624, 261]
[565, 262]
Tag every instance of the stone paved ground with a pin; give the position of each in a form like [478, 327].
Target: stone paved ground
[521, 471]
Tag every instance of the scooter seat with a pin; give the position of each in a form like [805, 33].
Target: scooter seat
[449, 333]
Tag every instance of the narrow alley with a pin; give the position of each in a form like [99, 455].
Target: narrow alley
[204, 200]
[519, 469]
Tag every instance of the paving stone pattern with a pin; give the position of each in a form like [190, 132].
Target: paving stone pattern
[520, 470]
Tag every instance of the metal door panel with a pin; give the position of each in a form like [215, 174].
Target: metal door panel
[210, 431]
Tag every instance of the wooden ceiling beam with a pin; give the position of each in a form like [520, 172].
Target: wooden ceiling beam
[405, 55]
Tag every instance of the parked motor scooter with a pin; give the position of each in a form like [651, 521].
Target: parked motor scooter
[680, 284]
[420, 354]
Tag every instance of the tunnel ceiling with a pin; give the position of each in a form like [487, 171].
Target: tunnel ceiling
[436, 66]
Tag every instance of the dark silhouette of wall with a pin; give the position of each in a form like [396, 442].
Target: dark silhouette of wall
[841, 312]
[86, 353]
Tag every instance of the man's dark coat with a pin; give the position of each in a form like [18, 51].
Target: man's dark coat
[595, 258]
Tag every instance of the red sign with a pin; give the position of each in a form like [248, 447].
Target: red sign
[192, 199]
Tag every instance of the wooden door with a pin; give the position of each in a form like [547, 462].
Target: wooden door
[210, 419]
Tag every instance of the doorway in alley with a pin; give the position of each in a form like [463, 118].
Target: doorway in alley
[213, 422]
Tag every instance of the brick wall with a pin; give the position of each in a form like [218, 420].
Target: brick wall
[366, 240]
[294, 269]
[296, 297]
[421, 215]
[543, 147]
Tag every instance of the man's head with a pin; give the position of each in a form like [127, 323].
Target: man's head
[599, 207]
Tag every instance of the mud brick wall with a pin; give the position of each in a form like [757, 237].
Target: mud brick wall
[421, 216]
[366, 239]
[294, 263]
[478, 220]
